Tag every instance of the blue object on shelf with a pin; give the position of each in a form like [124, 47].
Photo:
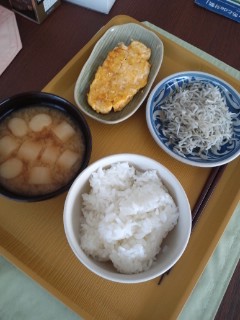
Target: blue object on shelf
[227, 8]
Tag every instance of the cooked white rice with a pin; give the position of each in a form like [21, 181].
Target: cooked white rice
[126, 215]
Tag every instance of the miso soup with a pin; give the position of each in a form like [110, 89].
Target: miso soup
[41, 150]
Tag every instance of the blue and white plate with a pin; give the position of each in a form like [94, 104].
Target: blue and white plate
[168, 86]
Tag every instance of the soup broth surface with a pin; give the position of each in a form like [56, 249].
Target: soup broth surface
[41, 149]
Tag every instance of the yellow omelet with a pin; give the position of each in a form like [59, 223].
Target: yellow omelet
[123, 73]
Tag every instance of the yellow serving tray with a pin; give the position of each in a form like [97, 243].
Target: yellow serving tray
[32, 235]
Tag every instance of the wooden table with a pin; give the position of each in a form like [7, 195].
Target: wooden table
[49, 46]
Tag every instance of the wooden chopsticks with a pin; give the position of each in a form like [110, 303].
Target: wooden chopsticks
[206, 193]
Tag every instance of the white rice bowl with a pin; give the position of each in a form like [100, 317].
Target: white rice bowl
[118, 215]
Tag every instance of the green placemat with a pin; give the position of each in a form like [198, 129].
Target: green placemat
[21, 298]
[207, 295]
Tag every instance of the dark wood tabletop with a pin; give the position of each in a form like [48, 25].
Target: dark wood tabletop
[49, 46]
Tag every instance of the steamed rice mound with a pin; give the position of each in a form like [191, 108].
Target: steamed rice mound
[125, 217]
